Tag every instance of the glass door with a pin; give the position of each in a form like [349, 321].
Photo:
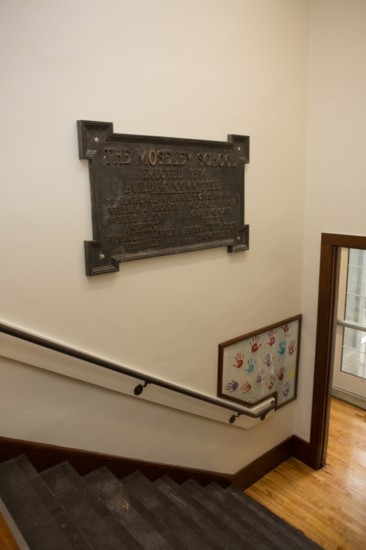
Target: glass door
[350, 351]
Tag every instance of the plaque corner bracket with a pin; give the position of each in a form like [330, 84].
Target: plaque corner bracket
[242, 143]
[242, 242]
[97, 261]
[90, 134]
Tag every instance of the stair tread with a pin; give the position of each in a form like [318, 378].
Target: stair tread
[150, 531]
[244, 519]
[212, 522]
[93, 518]
[189, 533]
[257, 526]
[295, 539]
[38, 515]
[194, 512]
[243, 523]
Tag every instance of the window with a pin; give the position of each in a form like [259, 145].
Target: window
[354, 317]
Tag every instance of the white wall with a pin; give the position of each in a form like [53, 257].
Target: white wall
[196, 69]
[336, 182]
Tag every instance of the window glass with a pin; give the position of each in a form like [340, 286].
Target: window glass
[353, 356]
[356, 287]
[354, 339]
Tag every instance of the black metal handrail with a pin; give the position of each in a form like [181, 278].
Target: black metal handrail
[145, 378]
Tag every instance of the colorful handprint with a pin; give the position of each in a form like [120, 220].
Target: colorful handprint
[251, 365]
[239, 360]
[260, 376]
[246, 387]
[282, 348]
[255, 344]
[268, 360]
[292, 347]
[281, 373]
[286, 389]
[272, 338]
[232, 386]
[271, 382]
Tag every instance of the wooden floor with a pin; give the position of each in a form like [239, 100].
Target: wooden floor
[7, 541]
[328, 505]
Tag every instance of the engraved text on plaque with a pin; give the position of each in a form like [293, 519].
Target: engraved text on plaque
[153, 196]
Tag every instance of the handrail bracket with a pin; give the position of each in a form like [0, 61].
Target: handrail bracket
[140, 388]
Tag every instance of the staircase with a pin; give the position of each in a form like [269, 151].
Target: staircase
[58, 509]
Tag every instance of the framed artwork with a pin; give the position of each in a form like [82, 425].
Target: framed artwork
[261, 364]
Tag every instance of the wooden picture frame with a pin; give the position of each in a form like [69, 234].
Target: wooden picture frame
[261, 364]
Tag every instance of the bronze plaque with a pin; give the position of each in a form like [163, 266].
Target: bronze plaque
[153, 196]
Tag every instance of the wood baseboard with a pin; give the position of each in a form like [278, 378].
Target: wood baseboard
[262, 465]
[293, 446]
[306, 452]
[44, 456]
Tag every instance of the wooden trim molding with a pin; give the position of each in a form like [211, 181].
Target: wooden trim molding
[304, 451]
[262, 465]
[323, 368]
[44, 456]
